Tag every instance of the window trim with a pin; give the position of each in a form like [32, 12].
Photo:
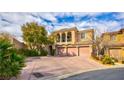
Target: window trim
[69, 39]
[84, 35]
[113, 37]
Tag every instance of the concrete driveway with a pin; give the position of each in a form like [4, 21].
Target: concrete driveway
[50, 67]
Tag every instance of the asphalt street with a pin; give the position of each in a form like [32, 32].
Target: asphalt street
[106, 74]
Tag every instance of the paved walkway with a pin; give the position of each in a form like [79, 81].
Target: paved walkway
[51, 67]
[106, 74]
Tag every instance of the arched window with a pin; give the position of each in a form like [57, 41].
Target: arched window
[69, 36]
[58, 38]
[63, 37]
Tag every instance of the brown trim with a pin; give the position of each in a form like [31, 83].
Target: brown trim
[115, 48]
[78, 51]
[115, 45]
[73, 46]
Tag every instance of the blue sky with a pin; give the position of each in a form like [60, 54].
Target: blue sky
[101, 21]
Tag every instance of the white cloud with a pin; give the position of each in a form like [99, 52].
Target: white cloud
[11, 22]
[47, 16]
[120, 15]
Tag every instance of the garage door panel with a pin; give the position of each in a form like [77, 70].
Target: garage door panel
[72, 51]
[115, 53]
[84, 51]
[61, 51]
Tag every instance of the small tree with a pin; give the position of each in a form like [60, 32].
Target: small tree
[11, 63]
[97, 43]
[35, 35]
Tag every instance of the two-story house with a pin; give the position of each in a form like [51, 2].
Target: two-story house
[114, 43]
[72, 42]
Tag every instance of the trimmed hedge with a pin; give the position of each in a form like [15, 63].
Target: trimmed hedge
[31, 53]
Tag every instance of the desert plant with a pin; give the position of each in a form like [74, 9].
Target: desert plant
[115, 59]
[11, 62]
[108, 60]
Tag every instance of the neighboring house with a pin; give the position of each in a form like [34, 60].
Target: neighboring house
[17, 44]
[71, 42]
[114, 43]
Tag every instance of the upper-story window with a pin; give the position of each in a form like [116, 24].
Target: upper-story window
[113, 37]
[83, 35]
[58, 38]
[63, 37]
[69, 36]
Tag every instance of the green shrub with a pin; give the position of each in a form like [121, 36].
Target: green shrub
[11, 62]
[53, 52]
[108, 60]
[122, 61]
[32, 52]
[43, 52]
[115, 59]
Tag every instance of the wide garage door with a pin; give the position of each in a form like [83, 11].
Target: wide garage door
[84, 51]
[72, 51]
[61, 51]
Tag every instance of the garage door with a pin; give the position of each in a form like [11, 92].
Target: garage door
[72, 51]
[84, 51]
[61, 51]
[115, 53]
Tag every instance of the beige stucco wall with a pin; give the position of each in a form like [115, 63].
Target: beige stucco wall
[18, 44]
[89, 36]
[76, 37]
[119, 38]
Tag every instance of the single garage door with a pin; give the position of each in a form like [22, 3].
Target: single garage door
[72, 51]
[115, 53]
[61, 51]
[84, 51]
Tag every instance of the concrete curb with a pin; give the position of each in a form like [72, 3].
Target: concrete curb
[76, 73]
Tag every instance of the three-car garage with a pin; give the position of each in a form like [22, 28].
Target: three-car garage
[74, 50]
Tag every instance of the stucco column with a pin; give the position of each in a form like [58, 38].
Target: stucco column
[91, 48]
[66, 37]
[60, 37]
[73, 37]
